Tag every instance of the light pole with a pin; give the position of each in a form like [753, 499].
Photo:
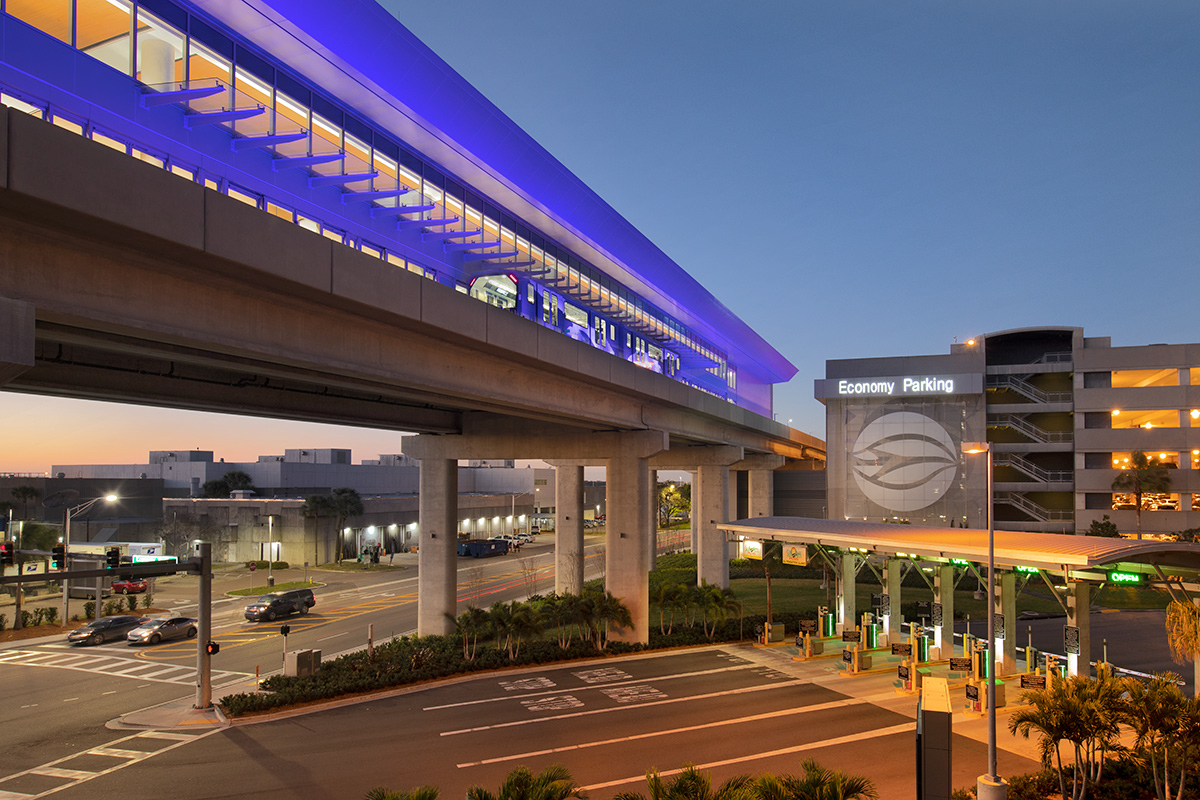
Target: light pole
[70, 513]
[990, 786]
[270, 550]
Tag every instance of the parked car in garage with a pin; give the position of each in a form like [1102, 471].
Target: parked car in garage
[162, 629]
[101, 630]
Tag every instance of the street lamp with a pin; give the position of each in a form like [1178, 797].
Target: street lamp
[74, 511]
[990, 786]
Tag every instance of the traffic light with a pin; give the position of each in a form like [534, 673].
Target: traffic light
[112, 557]
[213, 648]
[8, 551]
[285, 629]
[59, 558]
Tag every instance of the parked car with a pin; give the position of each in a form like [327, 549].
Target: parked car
[161, 629]
[130, 585]
[101, 630]
[281, 604]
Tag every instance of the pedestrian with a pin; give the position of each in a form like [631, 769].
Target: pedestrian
[391, 555]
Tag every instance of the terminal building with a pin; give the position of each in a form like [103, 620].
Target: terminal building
[1063, 413]
[345, 124]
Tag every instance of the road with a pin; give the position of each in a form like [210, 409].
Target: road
[59, 696]
[729, 710]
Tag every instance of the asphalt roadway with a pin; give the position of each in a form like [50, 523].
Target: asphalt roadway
[727, 709]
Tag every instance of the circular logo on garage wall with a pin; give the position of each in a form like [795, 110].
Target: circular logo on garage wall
[904, 461]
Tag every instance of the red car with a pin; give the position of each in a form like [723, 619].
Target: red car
[129, 586]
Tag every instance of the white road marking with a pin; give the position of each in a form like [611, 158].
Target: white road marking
[691, 698]
[906, 727]
[669, 731]
[334, 636]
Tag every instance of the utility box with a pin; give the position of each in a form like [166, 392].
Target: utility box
[301, 663]
[775, 632]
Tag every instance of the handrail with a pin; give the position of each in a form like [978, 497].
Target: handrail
[1033, 509]
[1019, 423]
[1027, 389]
[1031, 469]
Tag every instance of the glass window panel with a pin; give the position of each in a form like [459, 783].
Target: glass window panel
[1125, 378]
[334, 234]
[205, 65]
[161, 52]
[397, 260]
[51, 16]
[212, 184]
[68, 124]
[370, 249]
[183, 172]
[102, 29]
[108, 141]
[252, 91]
[244, 196]
[281, 211]
[308, 224]
[327, 137]
[21, 105]
[1141, 418]
[149, 158]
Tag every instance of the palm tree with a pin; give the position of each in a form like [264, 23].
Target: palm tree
[1154, 710]
[772, 556]
[692, 785]
[1142, 476]
[469, 625]
[817, 783]
[1183, 636]
[552, 783]
[419, 793]
[667, 598]
[317, 506]
[23, 494]
[1052, 716]
[346, 503]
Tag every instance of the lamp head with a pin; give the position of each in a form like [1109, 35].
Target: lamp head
[972, 448]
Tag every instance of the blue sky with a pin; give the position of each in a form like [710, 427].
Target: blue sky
[852, 178]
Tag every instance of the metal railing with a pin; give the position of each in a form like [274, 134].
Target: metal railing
[1026, 389]
[1031, 469]
[1022, 425]
[1035, 510]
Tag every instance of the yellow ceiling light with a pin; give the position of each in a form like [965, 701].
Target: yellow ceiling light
[1196, 413]
[1116, 411]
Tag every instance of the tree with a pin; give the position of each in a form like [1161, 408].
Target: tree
[817, 783]
[692, 785]
[23, 494]
[673, 500]
[1183, 634]
[233, 481]
[600, 610]
[1103, 527]
[419, 793]
[552, 783]
[772, 556]
[1153, 710]
[315, 507]
[346, 503]
[1143, 476]
[469, 625]
[668, 598]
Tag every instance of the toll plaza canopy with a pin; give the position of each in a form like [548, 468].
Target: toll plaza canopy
[1052, 552]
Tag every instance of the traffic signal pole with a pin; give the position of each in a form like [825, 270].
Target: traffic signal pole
[204, 624]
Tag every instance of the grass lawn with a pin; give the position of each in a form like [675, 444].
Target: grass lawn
[279, 587]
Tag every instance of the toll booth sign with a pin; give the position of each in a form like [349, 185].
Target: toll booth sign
[999, 626]
[960, 664]
[851, 636]
[902, 649]
[1071, 640]
[1033, 681]
[972, 693]
[903, 672]
[808, 626]
[847, 656]
[885, 605]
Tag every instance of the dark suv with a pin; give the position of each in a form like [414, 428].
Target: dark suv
[281, 604]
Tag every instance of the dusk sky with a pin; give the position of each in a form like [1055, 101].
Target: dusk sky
[854, 179]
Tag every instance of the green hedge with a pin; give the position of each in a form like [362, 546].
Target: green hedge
[264, 565]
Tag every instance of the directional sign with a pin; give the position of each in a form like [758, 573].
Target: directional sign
[847, 656]
[903, 672]
[972, 693]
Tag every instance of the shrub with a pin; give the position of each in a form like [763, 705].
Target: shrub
[38, 615]
[131, 603]
[89, 609]
[145, 600]
[279, 565]
[3, 621]
[51, 614]
[26, 619]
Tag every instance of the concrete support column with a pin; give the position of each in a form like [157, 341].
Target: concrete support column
[695, 537]
[762, 493]
[437, 561]
[625, 543]
[846, 612]
[1004, 603]
[568, 529]
[652, 520]
[709, 497]
[1079, 607]
[893, 622]
[943, 591]
[16, 338]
